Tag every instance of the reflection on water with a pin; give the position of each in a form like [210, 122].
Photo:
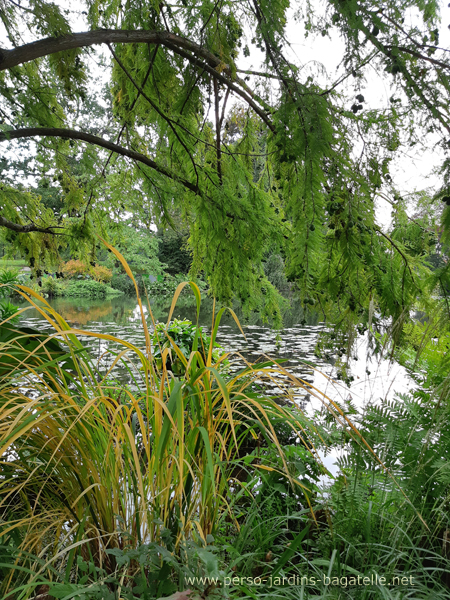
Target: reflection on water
[80, 312]
[120, 317]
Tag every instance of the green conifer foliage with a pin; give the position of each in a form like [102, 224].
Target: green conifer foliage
[251, 160]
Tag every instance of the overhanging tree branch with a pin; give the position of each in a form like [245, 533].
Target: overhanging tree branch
[27, 228]
[178, 44]
[28, 52]
[97, 141]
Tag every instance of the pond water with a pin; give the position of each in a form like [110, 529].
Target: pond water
[120, 317]
[374, 379]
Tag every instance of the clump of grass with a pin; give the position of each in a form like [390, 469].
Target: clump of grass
[90, 468]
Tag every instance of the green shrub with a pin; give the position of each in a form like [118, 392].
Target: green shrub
[121, 281]
[52, 286]
[7, 277]
[7, 310]
[183, 334]
[87, 288]
[168, 286]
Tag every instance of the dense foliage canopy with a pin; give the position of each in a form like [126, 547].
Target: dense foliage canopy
[144, 108]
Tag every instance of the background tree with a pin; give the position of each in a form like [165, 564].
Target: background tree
[172, 251]
[140, 250]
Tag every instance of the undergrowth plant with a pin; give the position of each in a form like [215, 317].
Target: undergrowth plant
[183, 334]
[392, 521]
[8, 278]
[93, 473]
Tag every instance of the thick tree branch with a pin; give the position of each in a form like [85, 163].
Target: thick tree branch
[28, 52]
[97, 141]
[178, 44]
[27, 228]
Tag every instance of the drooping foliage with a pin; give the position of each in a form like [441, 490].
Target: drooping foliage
[251, 160]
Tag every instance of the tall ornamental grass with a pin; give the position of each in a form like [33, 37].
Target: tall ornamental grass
[90, 468]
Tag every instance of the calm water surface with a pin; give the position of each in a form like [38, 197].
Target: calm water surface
[120, 317]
